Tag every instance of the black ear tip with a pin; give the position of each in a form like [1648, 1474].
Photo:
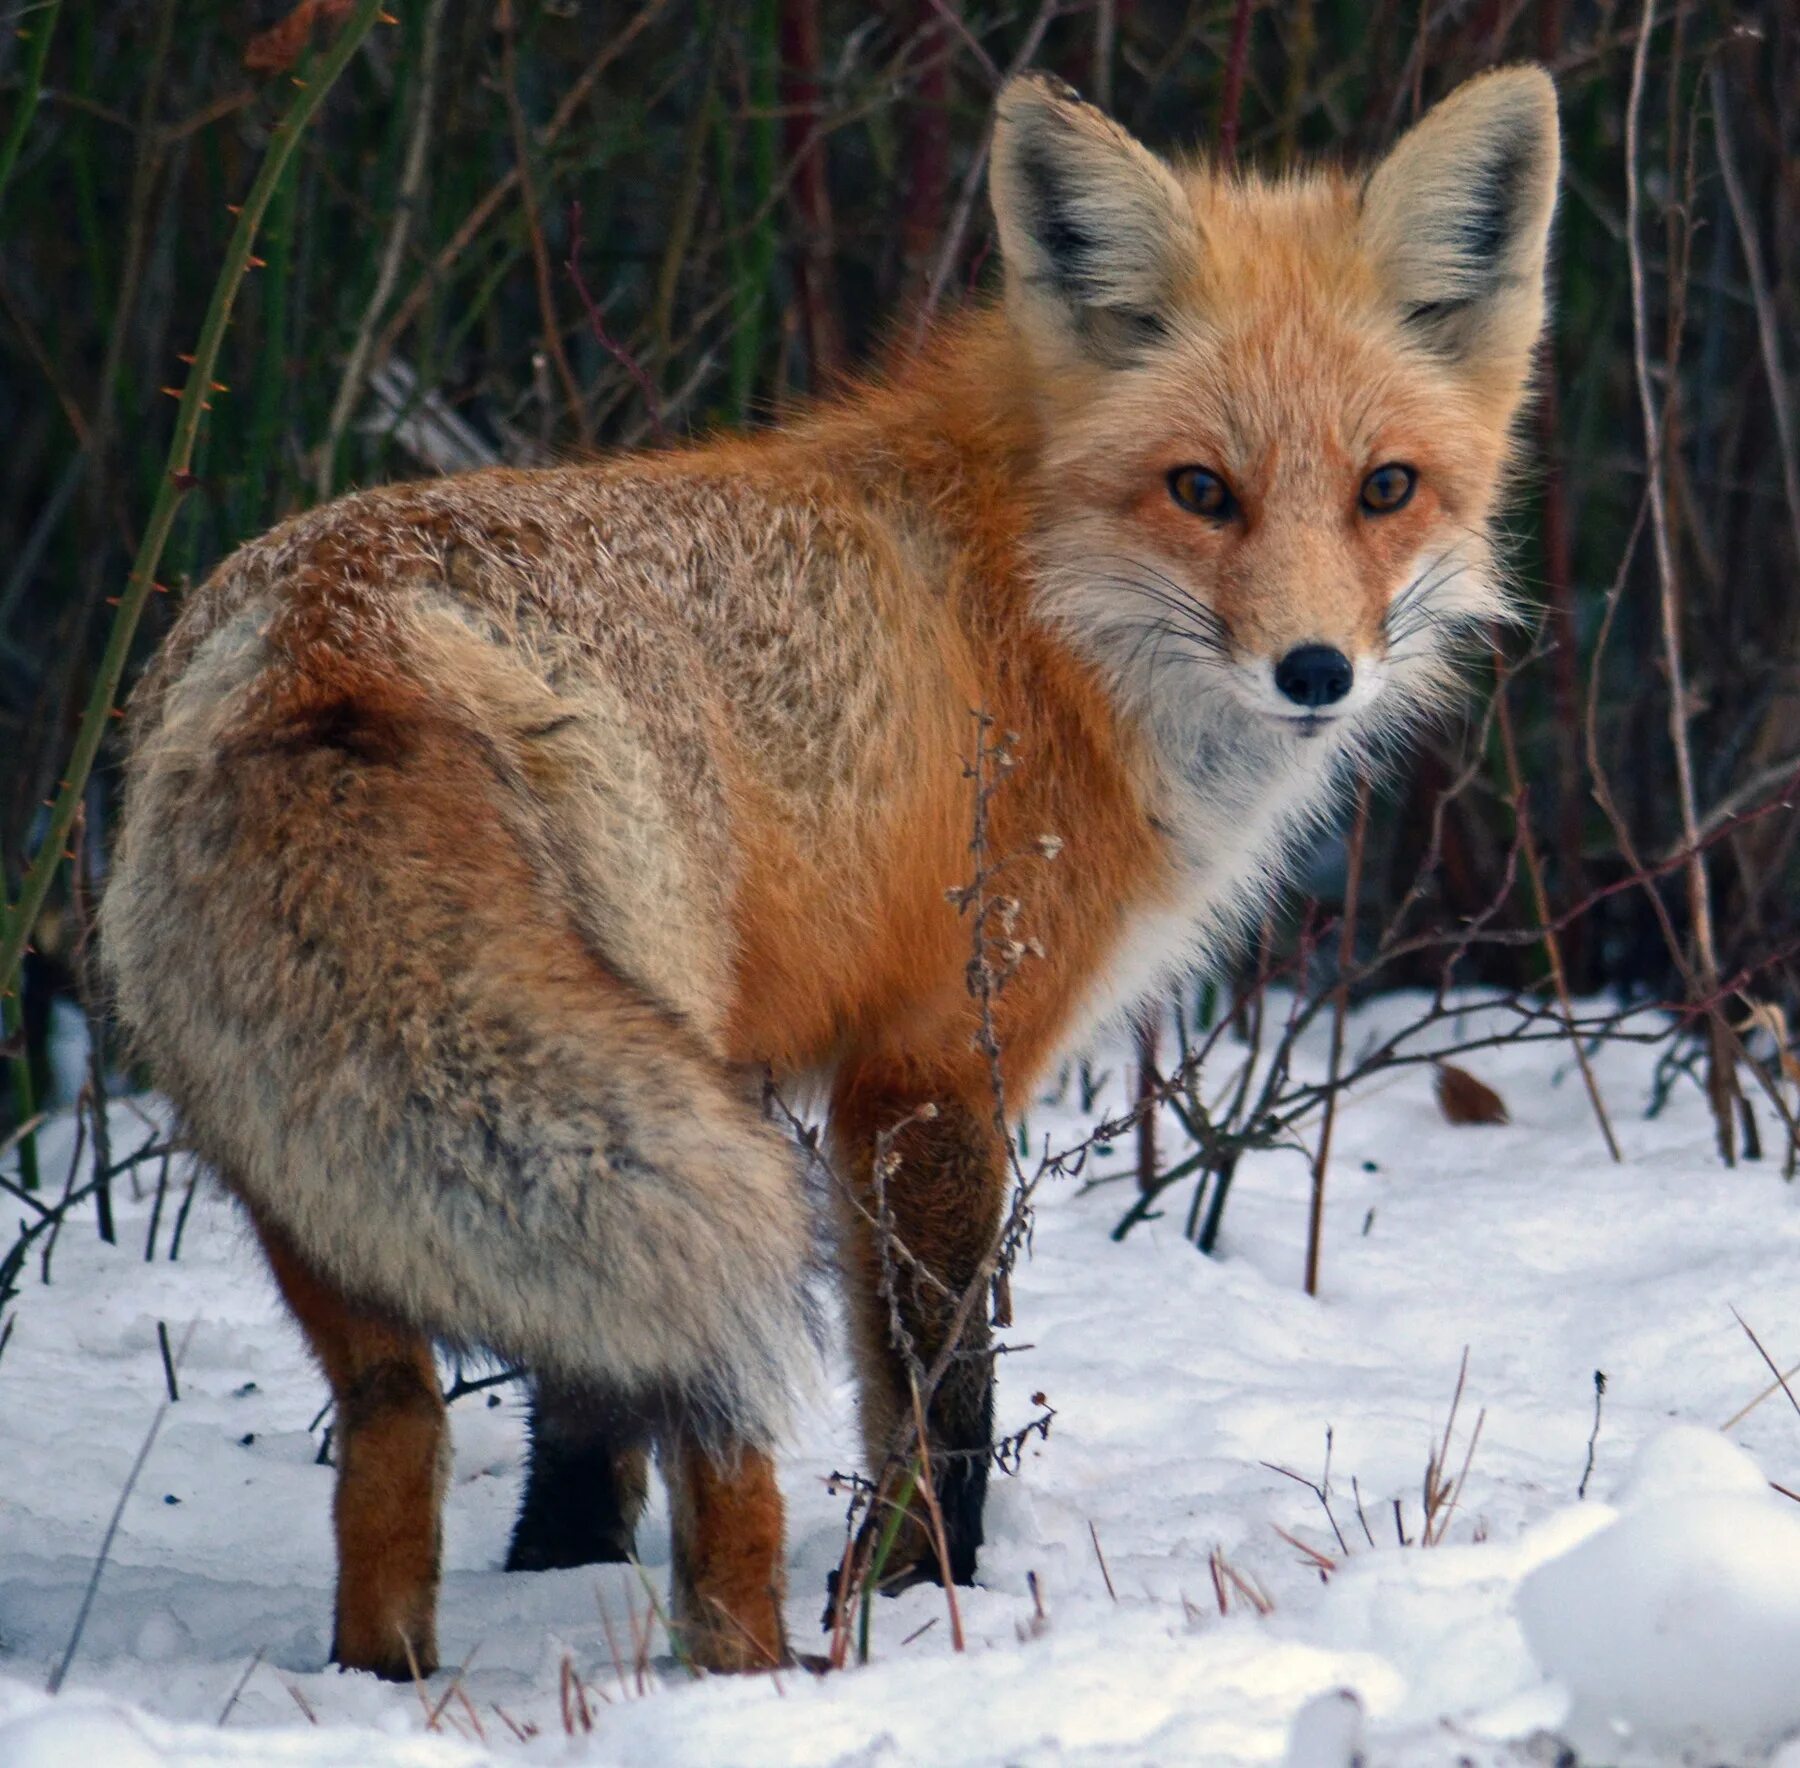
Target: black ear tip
[1039, 87]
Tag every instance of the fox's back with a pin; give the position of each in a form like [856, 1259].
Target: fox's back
[698, 681]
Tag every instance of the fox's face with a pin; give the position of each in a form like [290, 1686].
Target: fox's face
[1276, 414]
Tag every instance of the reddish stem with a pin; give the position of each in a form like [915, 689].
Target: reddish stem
[1234, 80]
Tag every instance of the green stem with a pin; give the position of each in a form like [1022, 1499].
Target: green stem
[177, 480]
[878, 1564]
[40, 34]
[753, 258]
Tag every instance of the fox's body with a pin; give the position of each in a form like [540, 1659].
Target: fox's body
[489, 840]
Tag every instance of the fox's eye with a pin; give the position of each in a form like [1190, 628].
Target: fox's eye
[1206, 494]
[1387, 489]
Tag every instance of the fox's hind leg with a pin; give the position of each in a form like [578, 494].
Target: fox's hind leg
[584, 1490]
[392, 1445]
[728, 1577]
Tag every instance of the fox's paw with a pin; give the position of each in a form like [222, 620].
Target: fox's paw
[561, 1549]
[735, 1644]
[390, 1661]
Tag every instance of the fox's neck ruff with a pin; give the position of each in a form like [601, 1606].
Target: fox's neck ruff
[1228, 793]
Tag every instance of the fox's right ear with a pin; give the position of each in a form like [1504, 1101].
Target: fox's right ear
[1096, 232]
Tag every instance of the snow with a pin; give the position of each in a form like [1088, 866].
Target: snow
[1651, 1622]
[1677, 1625]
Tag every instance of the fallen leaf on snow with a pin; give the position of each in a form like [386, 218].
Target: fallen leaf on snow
[1464, 1099]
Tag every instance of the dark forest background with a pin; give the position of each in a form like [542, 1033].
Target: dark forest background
[522, 230]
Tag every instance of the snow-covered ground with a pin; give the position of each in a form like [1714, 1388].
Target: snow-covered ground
[1671, 1596]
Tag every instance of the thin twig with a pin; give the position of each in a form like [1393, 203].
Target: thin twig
[534, 227]
[1232, 100]
[406, 204]
[1534, 872]
[61, 1671]
[484, 211]
[240, 1685]
[1699, 894]
[950, 251]
[1587, 1472]
[1094, 1536]
[1768, 325]
[1353, 865]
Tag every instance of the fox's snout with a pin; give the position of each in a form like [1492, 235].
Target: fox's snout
[1314, 676]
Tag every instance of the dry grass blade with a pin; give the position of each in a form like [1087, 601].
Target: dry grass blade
[112, 1528]
[1442, 1497]
[1781, 1380]
[1778, 1385]
[240, 1685]
[1325, 1563]
[1094, 1536]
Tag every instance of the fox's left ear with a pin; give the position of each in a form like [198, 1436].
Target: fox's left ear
[1457, 220]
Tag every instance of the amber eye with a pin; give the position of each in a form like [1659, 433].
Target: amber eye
[1387, 489]
[1206, 494]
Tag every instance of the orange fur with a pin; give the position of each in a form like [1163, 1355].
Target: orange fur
[391, 1443]
[728, 1582]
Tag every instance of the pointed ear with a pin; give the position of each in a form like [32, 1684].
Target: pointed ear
[1457, 219]
[1095, 230]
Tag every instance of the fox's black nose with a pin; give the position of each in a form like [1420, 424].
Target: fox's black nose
[1314, 675]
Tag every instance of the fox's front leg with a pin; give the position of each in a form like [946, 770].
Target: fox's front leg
[943, 1184]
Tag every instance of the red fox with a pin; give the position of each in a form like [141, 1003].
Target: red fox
[488, 840]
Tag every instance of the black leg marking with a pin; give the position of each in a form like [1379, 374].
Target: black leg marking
[962, 1434]
[584, 1490]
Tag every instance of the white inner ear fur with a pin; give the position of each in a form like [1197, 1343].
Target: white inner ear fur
[1458, 214]
[1089, 219]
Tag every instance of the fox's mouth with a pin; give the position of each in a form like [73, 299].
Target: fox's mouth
[1305, 724]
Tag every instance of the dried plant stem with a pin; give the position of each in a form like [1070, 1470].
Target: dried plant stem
[406, 203]
[503, 187]
[58, 1674]
[802, 98]
[958, 231]
[1231, 103]
[534, 230]
[1721, 1087]
[1353, 865]
[1147, 1083]
[112, 1528]
[1768, 327]
[1106, 36]
[1534, 872]
[640, 376]
[176, 481]
[940, 1541]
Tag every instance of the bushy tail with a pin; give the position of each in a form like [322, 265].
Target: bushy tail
[333, 939]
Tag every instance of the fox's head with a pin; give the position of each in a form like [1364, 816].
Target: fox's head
[1277, 413]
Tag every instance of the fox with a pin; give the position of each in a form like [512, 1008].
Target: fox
[490, 843]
